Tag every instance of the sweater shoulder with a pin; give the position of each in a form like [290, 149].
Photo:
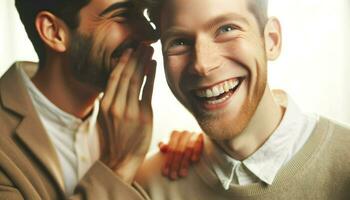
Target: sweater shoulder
[151, 169]
[340, 132]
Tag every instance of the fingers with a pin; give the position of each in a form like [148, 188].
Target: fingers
[148, 89]
[114, 80]
[170, 156]
[135, 84]
[163, 147]
[198, 148]
[120, 98]
[179, 154]
[107, 139]
[186, 160]
[183, 148]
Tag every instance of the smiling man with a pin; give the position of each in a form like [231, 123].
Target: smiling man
[260, 145]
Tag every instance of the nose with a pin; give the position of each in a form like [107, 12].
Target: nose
[206, 57]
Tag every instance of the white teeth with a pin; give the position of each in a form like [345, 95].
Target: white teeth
[221, 90]
[226, 87]
[217, 89]
[209, 93]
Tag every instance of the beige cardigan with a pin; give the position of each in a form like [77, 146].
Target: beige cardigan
[29, 166]
[319, 171]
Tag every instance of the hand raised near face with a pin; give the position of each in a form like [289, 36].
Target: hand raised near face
[125, 120]
[183, 149]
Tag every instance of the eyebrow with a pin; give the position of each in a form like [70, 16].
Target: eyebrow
[225, 17]
[115, 6]
[207, 26]
[173, 31]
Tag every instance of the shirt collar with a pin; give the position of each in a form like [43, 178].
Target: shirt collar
[269, 158]
[54, 114]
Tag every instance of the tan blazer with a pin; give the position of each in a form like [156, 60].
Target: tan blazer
[29, 166]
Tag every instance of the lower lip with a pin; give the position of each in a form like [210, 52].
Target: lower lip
[221, 105]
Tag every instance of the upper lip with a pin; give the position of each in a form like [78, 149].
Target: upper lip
[217, 83]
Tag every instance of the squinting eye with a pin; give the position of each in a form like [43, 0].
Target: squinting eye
[225, 29]
[178, 46]
[120, 16]
[178, 42]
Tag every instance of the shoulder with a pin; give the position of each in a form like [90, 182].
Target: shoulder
[337, 141]
[338, 130]
[150, 170]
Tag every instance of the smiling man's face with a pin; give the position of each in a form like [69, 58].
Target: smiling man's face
[215, 62]
[107, 28]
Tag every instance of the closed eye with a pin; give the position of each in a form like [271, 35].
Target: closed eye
[120, 16]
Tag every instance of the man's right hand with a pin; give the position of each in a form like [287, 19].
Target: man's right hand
[126, 121]
[183, 149]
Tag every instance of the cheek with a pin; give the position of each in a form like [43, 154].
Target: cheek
[109, 36]
[176, 66]
[245, 52]
[174, 71]
[177, 61]
[172, 74]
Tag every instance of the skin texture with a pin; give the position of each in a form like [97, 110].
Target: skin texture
[106, 53]
[183, 149]
[125, 120]
[206, 43]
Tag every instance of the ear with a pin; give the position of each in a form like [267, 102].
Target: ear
[53, 31]
[273, 38]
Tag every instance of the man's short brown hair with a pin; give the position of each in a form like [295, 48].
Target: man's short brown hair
[257, 7]
[67, 10]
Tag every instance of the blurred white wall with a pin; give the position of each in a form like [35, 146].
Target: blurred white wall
[313, 66]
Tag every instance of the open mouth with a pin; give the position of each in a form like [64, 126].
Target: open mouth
[218, 93]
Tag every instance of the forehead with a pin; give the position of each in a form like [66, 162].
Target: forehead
[193, 12]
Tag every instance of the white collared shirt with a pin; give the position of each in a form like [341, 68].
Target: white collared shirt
[291, 134]
[76, 142]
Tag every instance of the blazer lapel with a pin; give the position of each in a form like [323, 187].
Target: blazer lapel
[30, 129]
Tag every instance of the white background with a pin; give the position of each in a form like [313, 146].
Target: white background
[313, 67]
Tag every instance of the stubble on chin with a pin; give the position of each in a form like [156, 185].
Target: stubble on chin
[225, 126]
[87, 67]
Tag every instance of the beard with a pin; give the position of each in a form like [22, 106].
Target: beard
[85, 65]
[91, 64]
[225, 125]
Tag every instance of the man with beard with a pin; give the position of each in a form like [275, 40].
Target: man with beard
[51, 145]
[259, 144]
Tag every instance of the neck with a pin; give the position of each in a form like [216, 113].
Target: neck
[63, 90]
[261, 126]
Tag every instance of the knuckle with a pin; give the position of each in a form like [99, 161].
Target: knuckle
[175, 134]
[126, 75]
[129, 117]
[104, 107]
[134, 81]
[115, 114]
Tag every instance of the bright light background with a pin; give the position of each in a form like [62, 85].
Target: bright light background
[313, 67]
